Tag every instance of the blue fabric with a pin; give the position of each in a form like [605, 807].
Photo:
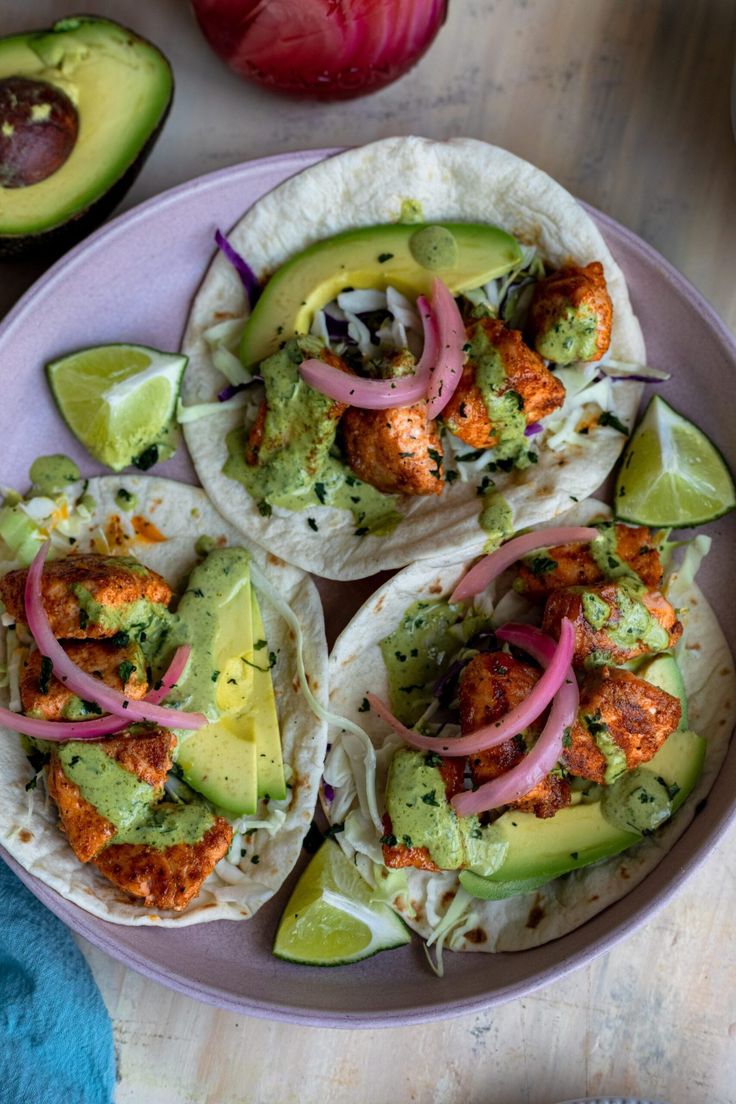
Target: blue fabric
[55, 1033]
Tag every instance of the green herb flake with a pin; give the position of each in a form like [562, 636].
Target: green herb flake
[609, 419]
[125, 670]
[47, 669]
[430, 798]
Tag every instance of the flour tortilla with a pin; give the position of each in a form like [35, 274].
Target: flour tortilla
[356, 666]
[462, 179]
[29, 828]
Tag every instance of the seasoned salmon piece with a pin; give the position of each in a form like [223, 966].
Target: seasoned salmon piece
[398, 451]
[147, 755]
[539, 392]
[399, 854]
[42, 695]
[629, 711]
[642, 622]
[568, 565]
[111, 581]
[570, 314]
[166, 878]
[491, 685]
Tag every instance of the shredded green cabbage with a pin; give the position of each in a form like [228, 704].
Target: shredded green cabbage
[193, 413]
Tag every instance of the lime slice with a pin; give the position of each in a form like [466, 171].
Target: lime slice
[671, 475]
[119, 401]
[331, 919]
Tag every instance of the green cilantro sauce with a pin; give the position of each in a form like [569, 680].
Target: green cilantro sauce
[638, 802]
[434, 248]
[149, 623]
[615, 756]
[131, 805]
[605, 553]
[420, 649]
[629, 623]
[411, 211]
[126, 501]
[571, 336]
[497, 519]
[52, 474]
[505, 408]
[296, 468]
[421, 816]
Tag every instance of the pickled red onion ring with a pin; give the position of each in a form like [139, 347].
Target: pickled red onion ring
[375, 394]
[77, 680]
[490, 567]
[102, 726]
[555, 657]
[448, 361]
[536, 764]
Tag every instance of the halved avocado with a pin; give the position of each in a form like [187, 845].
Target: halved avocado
[81, 105]
[405, 256]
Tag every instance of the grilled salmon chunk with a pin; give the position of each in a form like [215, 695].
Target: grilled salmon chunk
[628, 711]
[44, 696]
[567, 565]
[612, 623]
[148, 756]
[398, 451]
[491, 685]
[110, 581]
[539, 391]
[170, 877]
[571, 313]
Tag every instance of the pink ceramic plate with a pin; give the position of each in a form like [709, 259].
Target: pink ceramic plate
[133, 281]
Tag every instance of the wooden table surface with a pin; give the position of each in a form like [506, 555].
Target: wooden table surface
[626, 102]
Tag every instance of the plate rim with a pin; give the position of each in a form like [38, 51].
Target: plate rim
[100, 933]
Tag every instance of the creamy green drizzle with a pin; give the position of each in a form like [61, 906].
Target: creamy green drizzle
[296, 468]
[420, 649]
[571, 336]
[131, 805]
[630, 623]
[126, 501]
[497, 518]
[421, 816]
[52, 474]
[434, 248]
[638, 802]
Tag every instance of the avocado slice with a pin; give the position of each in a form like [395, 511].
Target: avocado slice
[233, 759]
[540, 850]
[405, 256]
[81, 105]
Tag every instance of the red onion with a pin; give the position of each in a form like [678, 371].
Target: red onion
[372, 394]
[102, 726]
[247, 276]
[490, 567]
[557, 663]
[77, 680]
[448, 361]
[320, 48]
[544, 756]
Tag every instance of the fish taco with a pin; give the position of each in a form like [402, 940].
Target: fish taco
[167, 676]
[408, 347]
[525, 738]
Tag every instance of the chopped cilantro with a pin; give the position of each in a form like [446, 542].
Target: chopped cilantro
[609, 419]
[125, 670]
[47, 669]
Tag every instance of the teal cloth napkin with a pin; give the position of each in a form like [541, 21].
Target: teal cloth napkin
[55, 1033]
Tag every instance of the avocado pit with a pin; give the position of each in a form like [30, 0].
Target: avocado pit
[38, 130]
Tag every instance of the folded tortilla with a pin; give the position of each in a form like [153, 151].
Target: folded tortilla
[462, 179]
[29, 828]
[529, 920]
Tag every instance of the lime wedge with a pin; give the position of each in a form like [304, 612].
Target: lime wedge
[331, 919]
[119, 401]
[671, 475]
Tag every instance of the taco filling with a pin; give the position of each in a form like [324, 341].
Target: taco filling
[323, 438]
[149, 712]
[534, 722]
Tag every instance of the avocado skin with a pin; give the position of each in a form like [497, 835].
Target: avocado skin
[58, 239]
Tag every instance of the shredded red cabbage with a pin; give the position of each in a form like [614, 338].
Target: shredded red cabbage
[234, 388]
[328, 791]
[241, 266]
[533, 428]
